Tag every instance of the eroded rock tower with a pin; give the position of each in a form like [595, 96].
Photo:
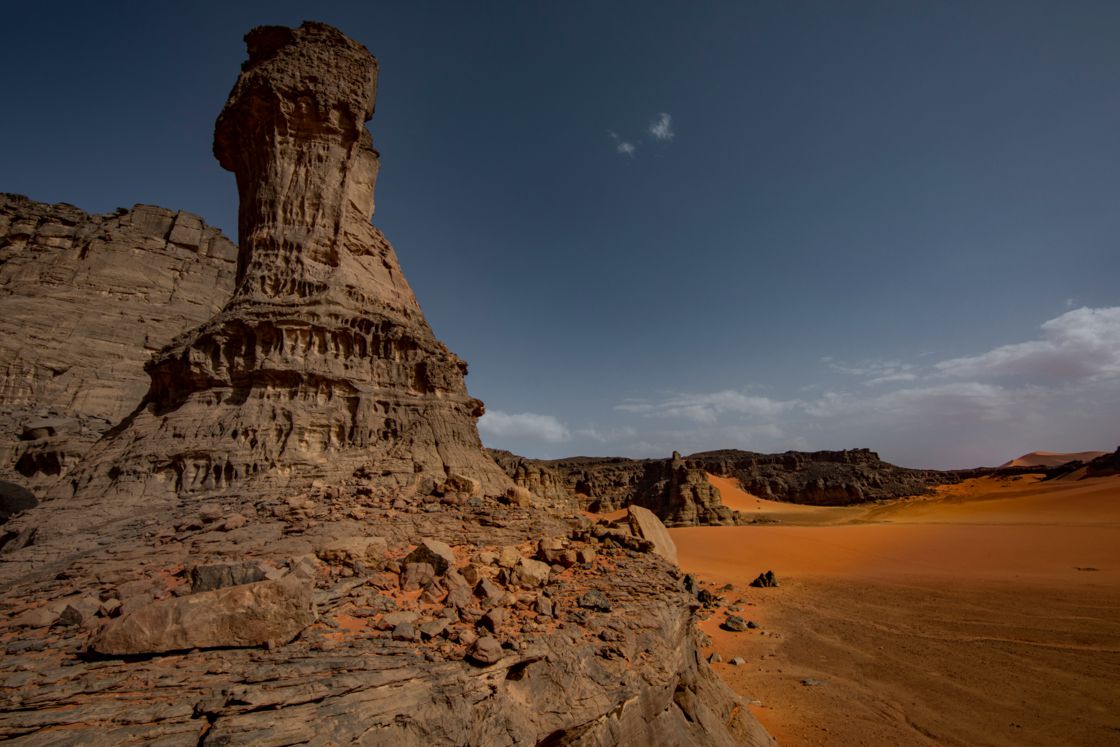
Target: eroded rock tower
[321, 364]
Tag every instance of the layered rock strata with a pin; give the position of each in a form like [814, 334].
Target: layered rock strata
[84, 302]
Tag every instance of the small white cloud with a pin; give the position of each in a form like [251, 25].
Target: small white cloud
[523, 425]
[626, 149]
[662, 127]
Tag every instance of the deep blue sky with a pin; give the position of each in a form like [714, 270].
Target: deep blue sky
[864, 216]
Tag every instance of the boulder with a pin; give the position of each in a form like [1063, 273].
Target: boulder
[351, 550]
[486, 650]
[245, 615]
[645, 524]
[530, 574]
[735, 624]
[437, 554]
[765, 580]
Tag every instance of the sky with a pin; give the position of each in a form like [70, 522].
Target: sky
[658, 226]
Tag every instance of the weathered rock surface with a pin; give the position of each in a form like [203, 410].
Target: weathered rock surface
[321, 366]
[314, 413]
[244, 615]
[84, 302]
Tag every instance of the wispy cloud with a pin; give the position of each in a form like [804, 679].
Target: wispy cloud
[707, 408]
[875, 372]
[662, 127]
[523, 425]
[1078, 345]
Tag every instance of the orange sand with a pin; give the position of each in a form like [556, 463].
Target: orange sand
[988, 613]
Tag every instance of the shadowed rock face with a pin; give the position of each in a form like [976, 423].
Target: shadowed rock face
[321, 364]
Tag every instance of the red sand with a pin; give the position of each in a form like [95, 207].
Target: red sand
[988, 613]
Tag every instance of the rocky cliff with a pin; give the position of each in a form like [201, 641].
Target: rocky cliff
[678, 491]
[296, 536]
[84, 302]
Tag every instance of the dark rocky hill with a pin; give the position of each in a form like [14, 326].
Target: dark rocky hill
[677, 488]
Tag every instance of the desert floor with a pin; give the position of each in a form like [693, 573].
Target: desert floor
[986, 614]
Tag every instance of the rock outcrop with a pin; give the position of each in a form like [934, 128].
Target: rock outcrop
[297, 537]
[678, 491]
[84, 302]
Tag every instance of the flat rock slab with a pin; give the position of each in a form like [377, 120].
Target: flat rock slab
[237, 616]
[646, 525]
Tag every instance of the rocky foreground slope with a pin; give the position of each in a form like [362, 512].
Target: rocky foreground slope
[296, 537]
[677, 489]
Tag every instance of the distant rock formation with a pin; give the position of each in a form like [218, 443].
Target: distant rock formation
[84, 302]
[678, 491]
[1104, 465]
[297, 537]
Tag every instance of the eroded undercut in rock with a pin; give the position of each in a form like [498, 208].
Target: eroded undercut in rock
[321, 364]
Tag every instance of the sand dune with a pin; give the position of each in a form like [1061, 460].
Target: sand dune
[988, 613]
[1052, 458]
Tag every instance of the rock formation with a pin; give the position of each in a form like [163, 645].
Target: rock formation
[307, 460]
[84, 302]
[321, 365]
[678, 491]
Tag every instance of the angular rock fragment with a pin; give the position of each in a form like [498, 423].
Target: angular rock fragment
[765, 580]
[246, 615]
[734, 623]
[645, 524]
[437, 554]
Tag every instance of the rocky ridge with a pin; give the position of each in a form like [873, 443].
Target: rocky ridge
[84, 302]
[297, 538]
[678, 491]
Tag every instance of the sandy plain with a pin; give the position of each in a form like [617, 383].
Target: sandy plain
[986, 614]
